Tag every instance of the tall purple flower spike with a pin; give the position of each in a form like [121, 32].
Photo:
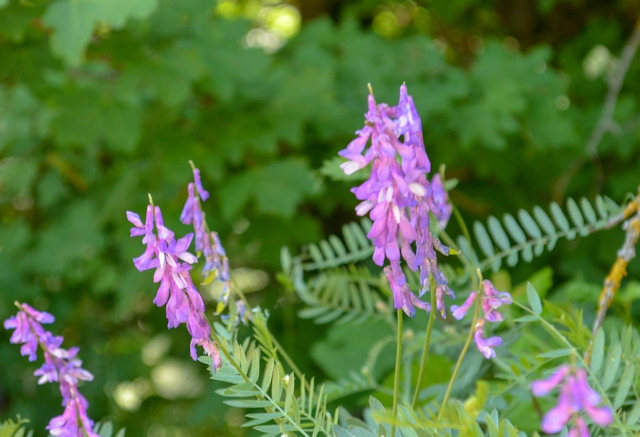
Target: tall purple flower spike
[575, 396]
[207, 243]
[172, 263]
[490, 299]
[60, 365]
[398, 198]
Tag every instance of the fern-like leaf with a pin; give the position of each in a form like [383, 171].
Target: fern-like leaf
[288, 407]
[527, 235]
[341, 295]
[14, 428]
[333, 252]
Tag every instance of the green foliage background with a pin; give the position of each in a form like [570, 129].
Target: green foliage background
[104, 101]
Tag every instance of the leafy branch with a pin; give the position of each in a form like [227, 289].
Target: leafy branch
[288, 408]
[531, 234]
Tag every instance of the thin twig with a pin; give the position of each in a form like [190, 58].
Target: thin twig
[605, 122]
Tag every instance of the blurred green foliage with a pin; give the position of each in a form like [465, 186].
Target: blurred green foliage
[102, 101]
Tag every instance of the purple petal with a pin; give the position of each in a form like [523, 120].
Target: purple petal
[458, 312]
[134, 219]
[544, 386]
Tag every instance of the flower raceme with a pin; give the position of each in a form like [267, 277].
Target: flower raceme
[398, 198]
[491, 300]
[207, 243]
[60, 365]
[172, 263]
[575, 396]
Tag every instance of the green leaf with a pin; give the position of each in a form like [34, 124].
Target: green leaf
[561, 220]
[624, 386]
[73, 22]
[614, 357]
[483, 239]
[597, 354]
[556, 353]
[277, 188]
[499, 236]
[10, 427]
[576, 216]
[534, 299]
[634, 415]
[588, 211]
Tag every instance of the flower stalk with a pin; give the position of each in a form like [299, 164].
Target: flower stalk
[463, 352]
[427, 342]
[396, 376]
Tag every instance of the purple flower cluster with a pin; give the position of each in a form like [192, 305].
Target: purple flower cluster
[60, 365]
[399, 197]
[207, 243]
[490, 299]
[172, 263]
[575, 396]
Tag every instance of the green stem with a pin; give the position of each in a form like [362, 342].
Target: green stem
[427, 342]
[461, 223]
[460, 358]
[396, 377]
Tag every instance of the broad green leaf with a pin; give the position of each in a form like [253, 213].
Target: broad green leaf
[73, 22]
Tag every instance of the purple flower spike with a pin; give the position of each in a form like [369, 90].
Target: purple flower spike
[206, 242]
[398, 198]
[575, 396]
[172, 263]
[60, 365]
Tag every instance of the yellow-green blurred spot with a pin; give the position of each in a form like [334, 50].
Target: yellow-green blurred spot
[386, 23]
[284, 20]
